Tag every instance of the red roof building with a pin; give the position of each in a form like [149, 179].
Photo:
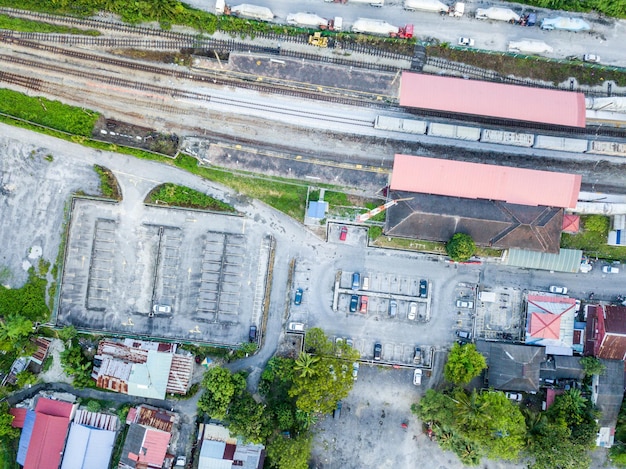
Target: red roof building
[606, 332]
[19, 415]
[550, 322]
[47, 440]
[482, 98]
[571, 223]
[469, 180]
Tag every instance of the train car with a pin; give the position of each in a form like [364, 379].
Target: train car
[574, 145]
[504, 137]
[458, 132]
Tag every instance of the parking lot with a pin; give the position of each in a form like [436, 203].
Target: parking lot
[364, 302]
[165, 273]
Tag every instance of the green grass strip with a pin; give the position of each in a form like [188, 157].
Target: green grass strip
[53, 114]
[30, 26]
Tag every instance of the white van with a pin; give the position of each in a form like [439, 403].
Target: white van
[366, 283]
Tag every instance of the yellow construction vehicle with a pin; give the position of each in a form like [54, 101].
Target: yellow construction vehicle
[317, 40]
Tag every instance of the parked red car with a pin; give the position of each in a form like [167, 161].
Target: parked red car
[343, 234]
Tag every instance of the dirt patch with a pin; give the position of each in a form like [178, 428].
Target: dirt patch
[123, 133]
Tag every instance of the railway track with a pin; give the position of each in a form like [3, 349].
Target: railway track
[221, 78]
[166, 92]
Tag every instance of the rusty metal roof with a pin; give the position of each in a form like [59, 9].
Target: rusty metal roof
[484, 181]
[483, 98]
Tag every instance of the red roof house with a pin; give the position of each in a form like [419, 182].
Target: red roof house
[19, 415]
[606, 332]
[550, 322]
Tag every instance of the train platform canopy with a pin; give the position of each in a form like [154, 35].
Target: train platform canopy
[483, 181]
[498, 100]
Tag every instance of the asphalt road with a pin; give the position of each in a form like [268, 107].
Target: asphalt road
[605, 38]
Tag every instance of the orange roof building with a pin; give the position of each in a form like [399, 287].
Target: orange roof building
[484, 181]
[550, 322]
[488, 99]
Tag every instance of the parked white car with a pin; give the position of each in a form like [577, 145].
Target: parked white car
[464, 304]
[559, 290]
[417, 377]
[466, 41]
[609, 269]
[412, 311]
[514, 396]
[296, 327]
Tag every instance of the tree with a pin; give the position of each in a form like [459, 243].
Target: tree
[597, 224]
[6, 430]
[77, 365]
[249, 419]
[552, 448]
[67, 333]
[25, 378]
[13, 329]
[289, 453]
[464, 364]
[316, 342]
[592, 366]
[304, 364]
[93, 406]
[220, 387]
[460, 247]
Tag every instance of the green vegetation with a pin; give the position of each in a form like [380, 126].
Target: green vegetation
[181, 196]
[592, 366]
[592, 239]
[53, 114]
[8, 439]
[607, 7]
[460, 247]
[618, 450]
[537, 68]
[487, 424]
[464, 364]
[77, 365]
[19, 24]
[108, 183]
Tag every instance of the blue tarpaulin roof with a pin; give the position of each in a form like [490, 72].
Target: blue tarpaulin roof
[27, 431]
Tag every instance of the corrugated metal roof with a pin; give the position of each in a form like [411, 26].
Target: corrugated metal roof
[47, 442]
[568, 260]
[150, 379]
[54, 407]
[27, 432]
[144, 445]
[468, 180]
[19, 415]
[482, 98]
[88, 448]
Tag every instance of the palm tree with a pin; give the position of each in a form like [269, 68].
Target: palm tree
[470, 410]
[304, 364]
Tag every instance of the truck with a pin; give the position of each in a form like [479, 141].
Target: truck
[311, 20]
[252, 12]
[381, 28]
[565, 24]
[426, 5]
[458, 9]
[498, 14]
[529, 46]
[374, 3]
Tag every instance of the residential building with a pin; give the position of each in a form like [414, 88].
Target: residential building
[607, 394]
[550, 322]
[142, 368]
[512, 367]
[220, 450]
[606, 332]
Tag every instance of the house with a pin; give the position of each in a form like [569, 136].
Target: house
[607, 393]
[90, 441]
[34, 362]
[519, 208]
[512, 367]
[222, 451]
[559, 367]
[142, 368]
[550, 322]
[605, 335]
[144, 448]
[43, 434]
[148, 438]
